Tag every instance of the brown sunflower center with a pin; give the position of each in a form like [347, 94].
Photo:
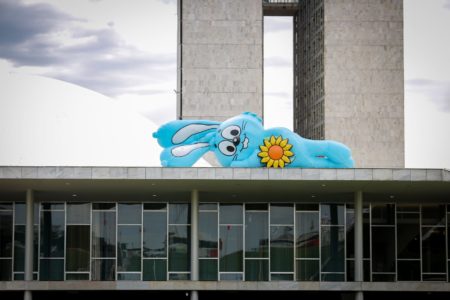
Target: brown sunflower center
[275, 152]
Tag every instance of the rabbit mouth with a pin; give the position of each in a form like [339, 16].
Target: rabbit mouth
[245, 144]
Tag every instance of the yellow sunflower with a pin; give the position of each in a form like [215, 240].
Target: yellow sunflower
[275, 152]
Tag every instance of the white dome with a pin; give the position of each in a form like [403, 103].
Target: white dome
[47, 122]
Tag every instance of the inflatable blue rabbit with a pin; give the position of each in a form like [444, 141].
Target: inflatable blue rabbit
[243, 142]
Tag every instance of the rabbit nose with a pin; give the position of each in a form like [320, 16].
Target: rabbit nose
[236, 141]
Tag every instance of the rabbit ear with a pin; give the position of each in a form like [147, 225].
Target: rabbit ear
[184, 155]
[182, 132]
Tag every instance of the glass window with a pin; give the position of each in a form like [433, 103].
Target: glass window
[383, 249]
[129, 276]
[366, 234]
[103, 234]
[179, 276]
[77, 276]
[281, 277]
[207, 234]
[207, 206]
[78, 248]
[155, 206]
[155, 234]
[407, 208]
[52, 233]
[383, 214]
[281, 248]
[350, 270]
[434, 277]
[332, 214]
[230, 213]
[129, 248]
[5, 269]
[179, 213]
[383, 277]
[308, 270]
[6, 233]
[52, 206]
[154, 270]
[350, 233]
[6, 206]
[307, 207]
[256, 206]
[230, 247]
[433, 214]
[408, 270]
[408, 236]
[179, 248]
[19, 248]
[104, 206]
[231, 276]
[51, 269]
[256, 234]
[333, 249]
[208, 269]
[256, 270]
[78, 213]
[130, 213]
[103, 269]
[333, 277]
[282, 214]
[366, 269]
[433, 250]
[307, 230]
[20, 213]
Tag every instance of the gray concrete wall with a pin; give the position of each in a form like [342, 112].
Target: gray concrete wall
[364, 92]
[221, 52]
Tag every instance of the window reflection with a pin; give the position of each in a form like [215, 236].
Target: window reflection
[103, 234]
[256, 234]
[230, 248]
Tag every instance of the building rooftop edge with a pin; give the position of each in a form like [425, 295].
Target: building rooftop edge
[159, 173]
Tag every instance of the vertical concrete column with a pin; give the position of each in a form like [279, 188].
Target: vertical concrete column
[359, 275]
[194, 240]
[29, 241]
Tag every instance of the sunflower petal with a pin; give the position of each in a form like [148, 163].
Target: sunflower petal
[275, 164]
[272, 140]
[270, 163]
[284, 143]
[264, 148]
[281, 162]
[263, 154]
[288, 153]
[286, 159]
[287, 147]
[267, 143]
[278, 141]
[265, 159]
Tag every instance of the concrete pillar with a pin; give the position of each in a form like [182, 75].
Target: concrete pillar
[194, 240]
[359, 274]
[29, 241]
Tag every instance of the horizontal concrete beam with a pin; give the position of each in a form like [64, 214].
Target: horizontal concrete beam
[224, 285]
[406, 175]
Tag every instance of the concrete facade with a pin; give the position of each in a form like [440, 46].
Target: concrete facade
[220, 60]
[363, 79]
[349, 77]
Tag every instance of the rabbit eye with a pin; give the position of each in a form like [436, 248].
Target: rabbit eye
[231, 131]
[227, 148]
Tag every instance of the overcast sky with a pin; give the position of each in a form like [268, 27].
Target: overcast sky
[127, 50]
